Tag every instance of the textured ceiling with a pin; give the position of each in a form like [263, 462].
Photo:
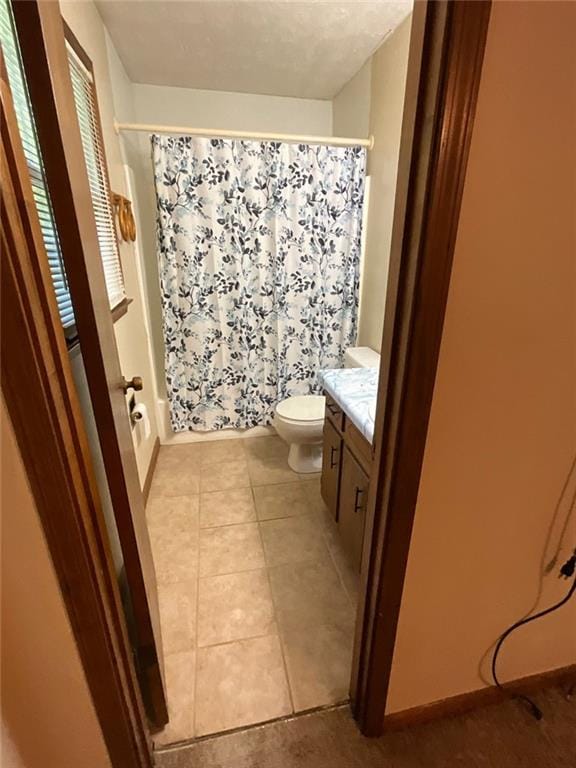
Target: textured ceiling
[305, 48]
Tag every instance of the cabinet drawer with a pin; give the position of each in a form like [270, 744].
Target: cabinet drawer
[334, 413]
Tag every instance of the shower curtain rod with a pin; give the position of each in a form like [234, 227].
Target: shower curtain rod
[337, 141]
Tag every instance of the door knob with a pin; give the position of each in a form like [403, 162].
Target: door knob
[135, 383]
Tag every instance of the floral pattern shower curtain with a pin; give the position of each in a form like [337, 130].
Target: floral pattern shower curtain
[259, 247]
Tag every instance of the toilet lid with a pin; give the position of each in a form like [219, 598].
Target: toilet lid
[302, 408]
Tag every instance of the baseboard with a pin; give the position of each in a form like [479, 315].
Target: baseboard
[151, 468]
[466, 702]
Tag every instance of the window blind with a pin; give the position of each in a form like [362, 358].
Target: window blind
[27, 130]
[93, 146]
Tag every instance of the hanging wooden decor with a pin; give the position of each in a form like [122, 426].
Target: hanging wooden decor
[126, 223]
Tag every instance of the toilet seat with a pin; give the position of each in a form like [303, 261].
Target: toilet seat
[302, 409]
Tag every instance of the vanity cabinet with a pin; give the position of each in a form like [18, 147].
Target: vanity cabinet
[346, 462]
[352, 508]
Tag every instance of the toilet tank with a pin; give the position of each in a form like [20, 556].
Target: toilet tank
[361, 357]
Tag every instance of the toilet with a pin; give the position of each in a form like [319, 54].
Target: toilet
[299, 420]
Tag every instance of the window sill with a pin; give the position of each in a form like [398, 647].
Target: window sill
[121, 309]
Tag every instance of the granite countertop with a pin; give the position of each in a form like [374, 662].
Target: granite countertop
[355, 390]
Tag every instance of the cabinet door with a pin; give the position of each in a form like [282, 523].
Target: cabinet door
[331, 457]
[352, 508]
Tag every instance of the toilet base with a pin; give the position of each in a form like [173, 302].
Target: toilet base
[305, 458]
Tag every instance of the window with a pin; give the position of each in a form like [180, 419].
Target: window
[27, 130]
[90, 130]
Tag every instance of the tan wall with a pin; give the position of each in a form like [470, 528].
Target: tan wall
[388, 82]
[131, 329]
[502, 433]
[48, 720]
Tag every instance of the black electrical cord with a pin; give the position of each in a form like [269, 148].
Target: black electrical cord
[567, 571]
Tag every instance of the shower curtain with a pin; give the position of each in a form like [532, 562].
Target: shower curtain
[258, 248]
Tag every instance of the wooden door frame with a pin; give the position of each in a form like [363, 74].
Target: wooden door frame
[43, 406]
[441, 94]
[443, 79]
[41, 35]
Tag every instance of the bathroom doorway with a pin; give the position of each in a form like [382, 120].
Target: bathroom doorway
[257, 465]
[256, 522]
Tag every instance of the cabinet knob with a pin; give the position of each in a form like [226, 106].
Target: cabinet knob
[135, 383]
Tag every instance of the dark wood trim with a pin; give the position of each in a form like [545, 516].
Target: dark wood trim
[150, 472]
[482, 697]
[74, 43]
[443, 80]
[51, 437]
[121, 309]
[45, 61]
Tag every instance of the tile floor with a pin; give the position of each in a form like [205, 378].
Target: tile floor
[257, 601]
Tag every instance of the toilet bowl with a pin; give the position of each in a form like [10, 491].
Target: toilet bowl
[299, 421]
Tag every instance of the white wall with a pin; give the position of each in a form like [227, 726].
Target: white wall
[351, 106]
[387, 87]
[130, 330]
[351, 117]
[237, 111]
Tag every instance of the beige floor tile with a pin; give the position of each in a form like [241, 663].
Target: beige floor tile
[230, 549]
[175, 559]
[187, 454]
[175, 479]
[271, 470]
[292, 540]
[178, 615]
[234, 607]
[348, 573]
[311, 490]
[224, 476]
[310, 477]
[173, 527]
[221, 450]
[177, 513]
[283, 500]
[226, 507]
[307, 594]
[319, 663]
[179, 669]
[240, 683]
[266, 447]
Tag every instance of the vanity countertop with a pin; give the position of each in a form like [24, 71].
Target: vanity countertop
[355, 390]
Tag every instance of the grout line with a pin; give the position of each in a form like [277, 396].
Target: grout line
[195, 683]
[256, 520]
[241, 639]
[228, 525]
[232, 573]
[280, 635]
[352, 602]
